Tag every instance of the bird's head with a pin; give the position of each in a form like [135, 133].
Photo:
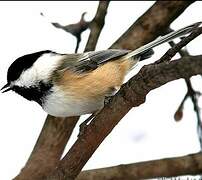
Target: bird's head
[29, 75]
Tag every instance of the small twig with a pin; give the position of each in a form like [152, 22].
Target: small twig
[179, 113]
[190, 93]
[74, 29]
[176, 48]
[193, 96]
[96, 25]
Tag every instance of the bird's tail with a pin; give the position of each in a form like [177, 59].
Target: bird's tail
[146, 50]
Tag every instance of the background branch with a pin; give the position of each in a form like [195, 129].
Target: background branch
[151, 24]
[75, 29]
[49, 148]
[96, 25]
[185, 165]
[194, 95]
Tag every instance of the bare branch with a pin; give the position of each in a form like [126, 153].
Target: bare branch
[168, 167]
[193, 95]
[190, 91]
[132, 94]
[176, 48]
[96, 25]
[49, 148]
[151, 24]
[75, 29]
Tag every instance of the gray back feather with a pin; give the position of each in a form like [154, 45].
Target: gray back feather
[90, 60]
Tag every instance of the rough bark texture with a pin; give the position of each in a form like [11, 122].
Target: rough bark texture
[190, 164]
[132, 94]
[49, 148]
[151, 24]
[96, 25]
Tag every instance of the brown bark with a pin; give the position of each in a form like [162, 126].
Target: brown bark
[96, 25]
[49, 148]
[190, 164]
[151, 24]
[132, 94]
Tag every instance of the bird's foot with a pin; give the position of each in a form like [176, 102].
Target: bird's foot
[84, 125]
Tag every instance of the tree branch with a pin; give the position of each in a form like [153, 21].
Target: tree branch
[75, 29]
[49, 148]
[96, 25]
[132, 94]
[190, 91]
[151, 24]
[177, 47]
[168, 167]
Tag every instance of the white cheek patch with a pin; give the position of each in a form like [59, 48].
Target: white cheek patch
[27, 78]
[41, 70]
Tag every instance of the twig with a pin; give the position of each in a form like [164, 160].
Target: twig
[169, 167]
[193, 96]
[96, 25]
[179, 113]
[74, 29]
[176, 48]
[190, 93]
[151, 24]
[49, 148]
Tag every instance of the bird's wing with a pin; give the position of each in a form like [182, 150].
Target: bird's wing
[90, 60]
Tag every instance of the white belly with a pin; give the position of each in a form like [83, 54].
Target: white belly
[56, 105]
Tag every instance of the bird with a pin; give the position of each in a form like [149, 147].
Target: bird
[75, 84]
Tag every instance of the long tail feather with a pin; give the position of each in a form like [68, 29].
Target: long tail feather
[163, 39]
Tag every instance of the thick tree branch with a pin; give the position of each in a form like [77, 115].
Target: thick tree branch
[185, 165]
[151, 24]
[49, 148]
[96, 25]
[132, 94]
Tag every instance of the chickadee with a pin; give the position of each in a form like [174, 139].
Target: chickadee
[76, 84]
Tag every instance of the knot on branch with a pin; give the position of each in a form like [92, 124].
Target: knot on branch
[131, 97]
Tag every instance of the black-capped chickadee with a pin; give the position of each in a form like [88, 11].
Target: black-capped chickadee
[76, 84]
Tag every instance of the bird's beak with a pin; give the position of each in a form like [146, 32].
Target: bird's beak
[6, 88]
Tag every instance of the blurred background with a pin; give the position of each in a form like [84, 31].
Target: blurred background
[147, 132]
